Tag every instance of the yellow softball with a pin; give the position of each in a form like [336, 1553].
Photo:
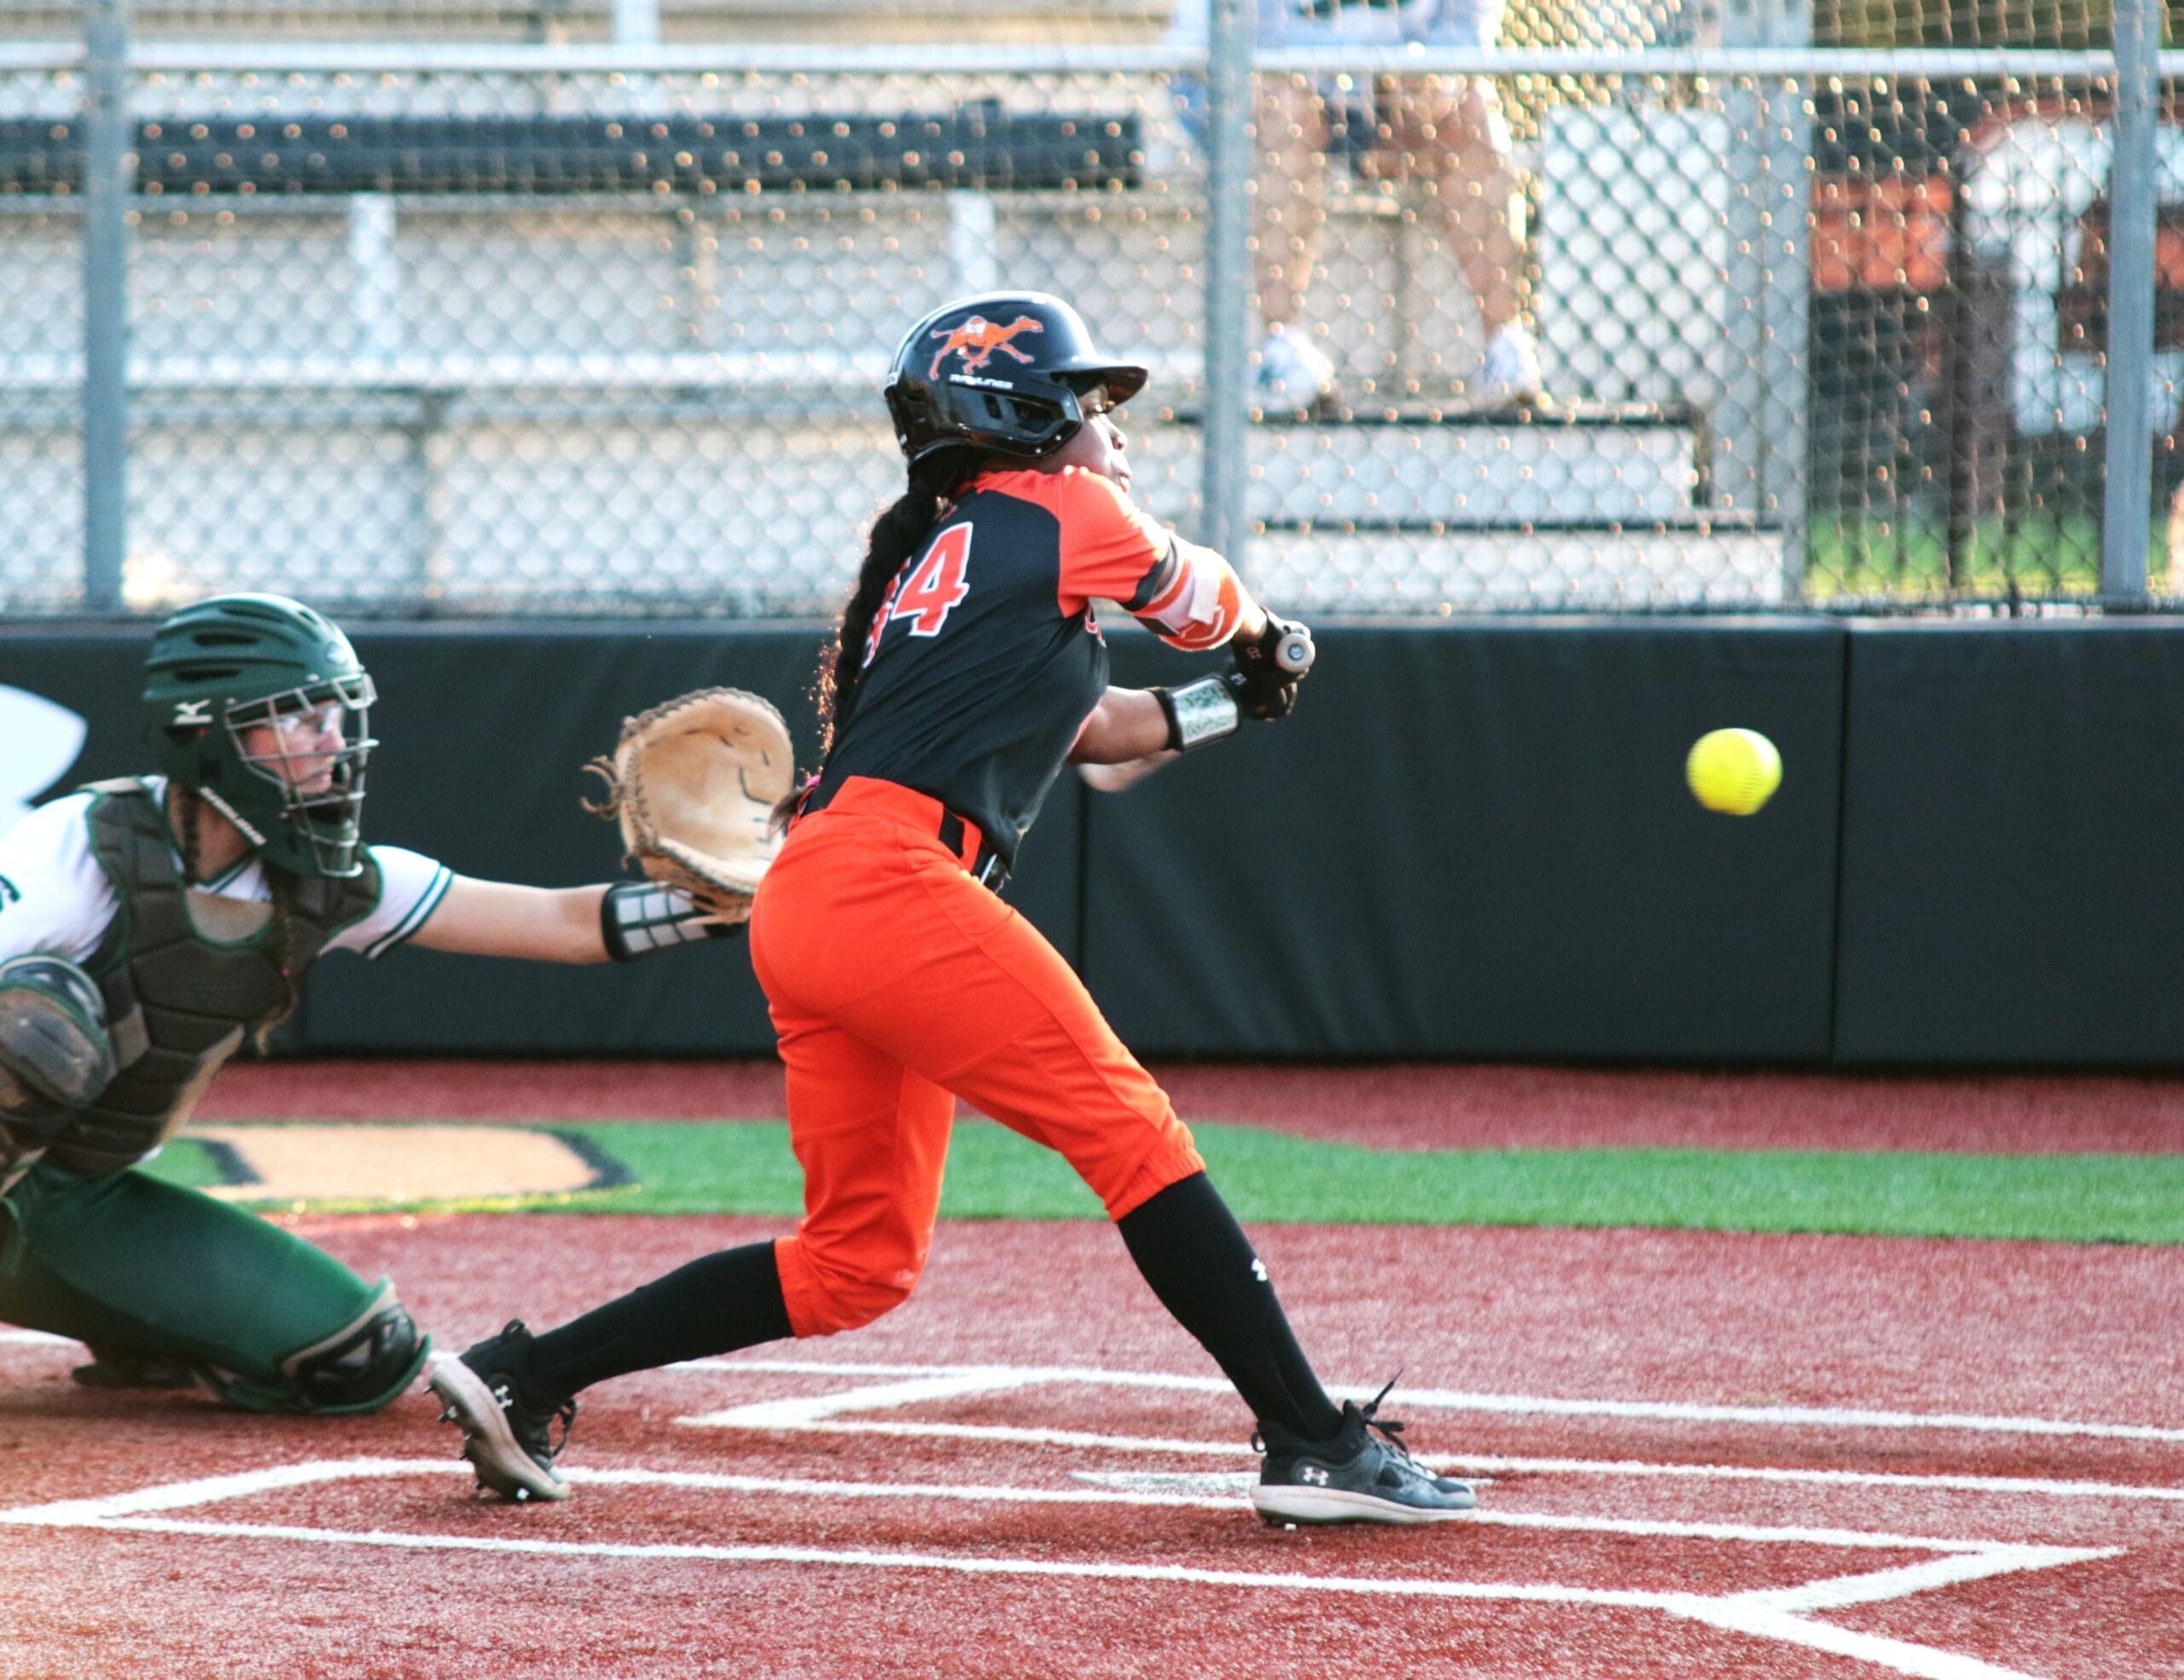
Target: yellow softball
[1734, 771]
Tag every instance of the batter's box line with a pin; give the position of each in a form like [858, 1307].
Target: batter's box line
[942, 1381]
[918, 1385]
[1780, 1613]
[996, 1378]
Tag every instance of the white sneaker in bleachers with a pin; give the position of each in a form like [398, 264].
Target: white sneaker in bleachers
[1294, 374]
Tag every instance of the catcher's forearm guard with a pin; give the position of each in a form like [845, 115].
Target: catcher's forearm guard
[639, 917]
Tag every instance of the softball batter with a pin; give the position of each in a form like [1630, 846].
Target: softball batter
[148, 927]
[969, 667]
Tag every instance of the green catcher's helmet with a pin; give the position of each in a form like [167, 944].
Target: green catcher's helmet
[258, 705]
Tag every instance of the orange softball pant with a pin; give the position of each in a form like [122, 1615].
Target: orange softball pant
[896, 984]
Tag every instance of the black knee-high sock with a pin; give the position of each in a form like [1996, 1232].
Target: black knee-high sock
[716, 1304]
[1200, 1263]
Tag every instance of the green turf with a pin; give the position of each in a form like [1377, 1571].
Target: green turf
[1270, 1177]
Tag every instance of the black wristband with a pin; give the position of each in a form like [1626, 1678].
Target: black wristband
[1198, 713]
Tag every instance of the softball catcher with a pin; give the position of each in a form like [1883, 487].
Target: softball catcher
[968, 667]
[157, 922]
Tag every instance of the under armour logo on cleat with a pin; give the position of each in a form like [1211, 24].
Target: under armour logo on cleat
[1258, 1269]
[1313, 1474]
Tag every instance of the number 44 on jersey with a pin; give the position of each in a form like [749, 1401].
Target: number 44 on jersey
[928, 590]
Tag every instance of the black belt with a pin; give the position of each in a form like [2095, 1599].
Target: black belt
[984, 866]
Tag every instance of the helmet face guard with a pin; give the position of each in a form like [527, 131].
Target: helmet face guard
[1002, 372]
[258, 706]
[309, 746]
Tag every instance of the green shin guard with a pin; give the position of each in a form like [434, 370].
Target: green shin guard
[153, 1276]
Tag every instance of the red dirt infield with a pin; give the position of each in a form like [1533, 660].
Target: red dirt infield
[1709, 1454]
[1438, 1107]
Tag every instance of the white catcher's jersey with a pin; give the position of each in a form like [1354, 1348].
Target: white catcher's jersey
[55, 897]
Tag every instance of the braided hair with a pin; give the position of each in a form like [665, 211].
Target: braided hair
[895, 535]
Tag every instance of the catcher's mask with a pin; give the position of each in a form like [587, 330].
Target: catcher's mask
[258, 705]
[1002, 371]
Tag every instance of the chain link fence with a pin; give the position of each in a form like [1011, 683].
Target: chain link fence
[1630, 324]
[1958, 339]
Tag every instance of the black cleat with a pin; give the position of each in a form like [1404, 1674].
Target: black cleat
[507, 1432]
[1364, 1474]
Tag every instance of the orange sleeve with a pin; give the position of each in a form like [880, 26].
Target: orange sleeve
[1110, 546]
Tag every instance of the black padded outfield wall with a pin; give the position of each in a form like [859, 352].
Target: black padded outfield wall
[1471, 841]
[1476, 841]
[2013, 817]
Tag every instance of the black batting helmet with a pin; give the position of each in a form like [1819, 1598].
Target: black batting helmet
[1002, 371]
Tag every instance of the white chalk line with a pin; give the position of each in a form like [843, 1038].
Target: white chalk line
[1921, 1662]
[821, 1414]
[996, 1378]
[1093, 1489]
[812, 1413]
[1767, 1616]
[1778, 1613]
[999, 1378]
[1485, 1466]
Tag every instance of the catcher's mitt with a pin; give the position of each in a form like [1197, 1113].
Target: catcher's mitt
[693, 783]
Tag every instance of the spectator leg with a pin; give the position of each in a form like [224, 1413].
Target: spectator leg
[1291, 206]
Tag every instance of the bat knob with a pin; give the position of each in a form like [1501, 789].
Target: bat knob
[1294, 653]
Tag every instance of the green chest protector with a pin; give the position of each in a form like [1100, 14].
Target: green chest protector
[179, 1003]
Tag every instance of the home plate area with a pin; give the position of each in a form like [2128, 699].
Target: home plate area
[1109, 1479]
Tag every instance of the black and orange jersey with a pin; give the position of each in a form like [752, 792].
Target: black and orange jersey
[985, 657]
